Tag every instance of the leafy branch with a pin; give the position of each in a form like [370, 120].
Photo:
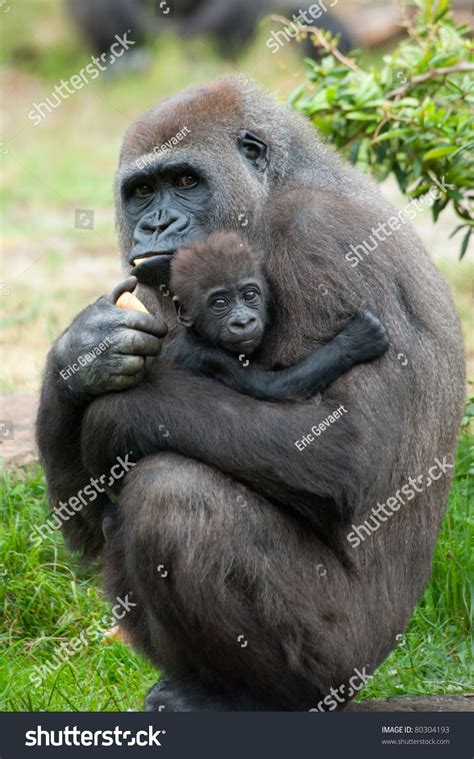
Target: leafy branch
[413, 117]
[430, 75]
[320, 39]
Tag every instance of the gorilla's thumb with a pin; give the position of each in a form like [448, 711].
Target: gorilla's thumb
[125, 286]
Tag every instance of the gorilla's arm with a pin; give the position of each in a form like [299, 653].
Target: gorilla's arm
[251, 440]
[364, 338]
[57, 425]
[103, 350]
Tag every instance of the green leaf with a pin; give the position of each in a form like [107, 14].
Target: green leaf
[296, 94]
[417, 167]
[453, 85]
[401, 177]
[354, 152]
[408, 101]
[456, 229]
[439, 152]
[444, 59]
[438, 206]
[443, 7]
[323, 125]
[464, 147]
[465, 242]
[318, 103]
[374, 103]
[389, 135]
[360, 116]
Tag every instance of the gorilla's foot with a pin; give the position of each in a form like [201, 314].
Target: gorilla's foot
[190, 694]
[182, 695]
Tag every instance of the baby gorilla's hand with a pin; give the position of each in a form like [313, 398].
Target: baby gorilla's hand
[364, 338]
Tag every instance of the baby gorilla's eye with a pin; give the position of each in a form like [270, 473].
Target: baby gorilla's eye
[251, 295]
[186, 181]
[218, 304]
[142, 191]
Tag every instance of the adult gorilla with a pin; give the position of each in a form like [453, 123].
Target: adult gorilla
[250, 531]
[231, 23]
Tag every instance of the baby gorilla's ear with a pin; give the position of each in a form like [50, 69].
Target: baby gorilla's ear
[181, 314]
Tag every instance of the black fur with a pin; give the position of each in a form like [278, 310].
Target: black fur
[225, 266]
[363, 339]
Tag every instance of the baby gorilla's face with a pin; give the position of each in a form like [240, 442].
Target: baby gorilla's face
[232, 315]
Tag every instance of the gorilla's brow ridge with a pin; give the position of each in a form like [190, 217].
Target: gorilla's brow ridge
[159, 164]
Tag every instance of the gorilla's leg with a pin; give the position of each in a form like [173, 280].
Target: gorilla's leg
[227, 591]
[120, 585]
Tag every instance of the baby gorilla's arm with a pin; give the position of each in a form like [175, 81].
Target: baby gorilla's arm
[362, 339]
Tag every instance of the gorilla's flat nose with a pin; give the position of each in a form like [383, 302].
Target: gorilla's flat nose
[162, 224]
[242, 325]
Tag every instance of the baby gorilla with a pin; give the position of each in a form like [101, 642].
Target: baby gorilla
[222, 297]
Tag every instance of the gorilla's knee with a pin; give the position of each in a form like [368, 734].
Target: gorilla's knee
[165, 509]
[165, 486]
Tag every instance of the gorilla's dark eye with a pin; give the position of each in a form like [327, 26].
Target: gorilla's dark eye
[186, 181]
[253, 149]
[251, 295]
[219, 304]
[142, 191]
[251, 152]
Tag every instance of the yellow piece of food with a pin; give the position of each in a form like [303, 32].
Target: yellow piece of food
[130, 301]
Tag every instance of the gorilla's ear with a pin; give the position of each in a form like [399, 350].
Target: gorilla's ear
[181, 314]
[253, 149]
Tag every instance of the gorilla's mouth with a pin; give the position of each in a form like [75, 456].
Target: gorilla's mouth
[247, 343]
[152, 268]
[152, 256]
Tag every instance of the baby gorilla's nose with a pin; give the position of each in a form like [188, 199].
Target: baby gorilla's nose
[242, 324]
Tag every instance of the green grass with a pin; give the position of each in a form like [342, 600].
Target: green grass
[435, 655]
[47, 598]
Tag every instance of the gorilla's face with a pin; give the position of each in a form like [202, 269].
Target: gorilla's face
[165, 203]
[166, 206]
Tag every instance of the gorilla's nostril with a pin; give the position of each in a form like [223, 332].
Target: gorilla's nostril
[243, 326]
[160, 229]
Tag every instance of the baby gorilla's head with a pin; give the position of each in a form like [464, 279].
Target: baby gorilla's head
[221, 292]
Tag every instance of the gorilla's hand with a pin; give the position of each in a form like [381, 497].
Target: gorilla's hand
[105, 347]
[363, 338]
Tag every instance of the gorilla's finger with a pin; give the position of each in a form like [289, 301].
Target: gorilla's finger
[126, 381]
[110, 317]
[129, 365]
[125, 286]
[146, 323]
[134, 343]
